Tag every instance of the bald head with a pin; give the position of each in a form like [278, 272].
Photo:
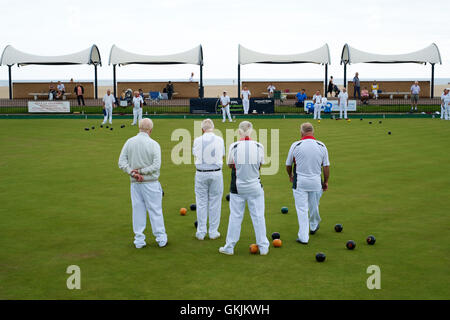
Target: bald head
[146, 125]
[307, 129]
[245, 129]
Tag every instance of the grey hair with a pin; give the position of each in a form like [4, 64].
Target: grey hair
[306, 128]
[245, 129]
[207, 125]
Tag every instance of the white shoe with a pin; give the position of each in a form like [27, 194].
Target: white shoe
[142, 246]
[222, 250]
[162, 244]
[223, 121]
[215, 236]
[103, 123]
[200, 238]
[263, 253]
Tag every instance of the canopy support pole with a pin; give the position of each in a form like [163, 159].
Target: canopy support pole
[326, 79]
[10, 82]
[114, 81]
[201, 91]
[345, 74]
[432, 80]
[239, 81]
[96, 82]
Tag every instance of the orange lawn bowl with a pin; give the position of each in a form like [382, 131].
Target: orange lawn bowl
[277, 243]
[183, 211]
[253, 248]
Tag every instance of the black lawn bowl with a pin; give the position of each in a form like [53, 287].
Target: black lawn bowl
[284, 210]
[87, 129]
[338, 227]
[361, 119]
[320, 257]
[196, 224]
[371, 240]
[389, 133]
[107, 127]
[276, 235]
[193, 207]
[228, 197]
[111, 128]
[380, 122]
[370, 122]
[350, 244]
[93, 127]
[101, 126]
[122, 126]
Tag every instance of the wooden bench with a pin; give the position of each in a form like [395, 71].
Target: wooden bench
[43, 94]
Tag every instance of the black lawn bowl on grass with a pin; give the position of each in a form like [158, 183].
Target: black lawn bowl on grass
[339, 227]
[389, 133]
[122, 126]
[371, 240]
[111, 128]
[284, 210]
[195, 224]
[227, 197]
[370, 122]
[101, 126]
[193, 207]
[276, 235]
[320, 257]
[93, 127]
[350, 244]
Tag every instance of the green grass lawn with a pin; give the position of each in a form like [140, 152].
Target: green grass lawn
[65, 202]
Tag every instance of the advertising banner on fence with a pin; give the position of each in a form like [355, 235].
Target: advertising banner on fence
[331, 105]
[48, 106]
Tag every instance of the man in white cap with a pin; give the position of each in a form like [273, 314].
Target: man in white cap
[343, 103]
[108, 104]
[245, 95]
[225, 103]
[308, 156]
[245, 159]
[208, 150]
[141, 160]
[138, 102]
[317, 100]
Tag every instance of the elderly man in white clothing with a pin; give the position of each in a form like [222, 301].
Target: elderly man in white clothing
[447, 105]
[245, 159]
[343, 103]
[317, 100]
[141, 160]
[138, 102]
[443, 111]
[304, 164]
[225, 103]
[208, 150]
[245, 95]
[108, 104]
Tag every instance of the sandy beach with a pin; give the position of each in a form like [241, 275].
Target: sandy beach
[210, 91]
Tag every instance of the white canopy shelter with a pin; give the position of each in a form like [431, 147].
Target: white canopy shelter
[122, 57]
[318, 56]
[426, 55]
[12, 56]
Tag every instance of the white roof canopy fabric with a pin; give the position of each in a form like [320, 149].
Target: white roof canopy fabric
[12, 56]
[318, 56]
[429, 54]
[119, 56]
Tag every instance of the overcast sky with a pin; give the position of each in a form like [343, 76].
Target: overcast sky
[279, 27]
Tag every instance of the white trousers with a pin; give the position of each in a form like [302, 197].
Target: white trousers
[343, 108]
[256, 207]
[226, 110]
[208, 197]
[447, 112]
[246, 105]
[442, 111]
[317, 108]
[307, 201]
[137, 115]
[147, 197]
[108, 116]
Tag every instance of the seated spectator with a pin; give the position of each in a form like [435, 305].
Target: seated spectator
[365, 96]
[271, 90]
[375, 88]
[51, 91]
[301, 97]
[79, 92]
[191, 78]
[61, 90]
